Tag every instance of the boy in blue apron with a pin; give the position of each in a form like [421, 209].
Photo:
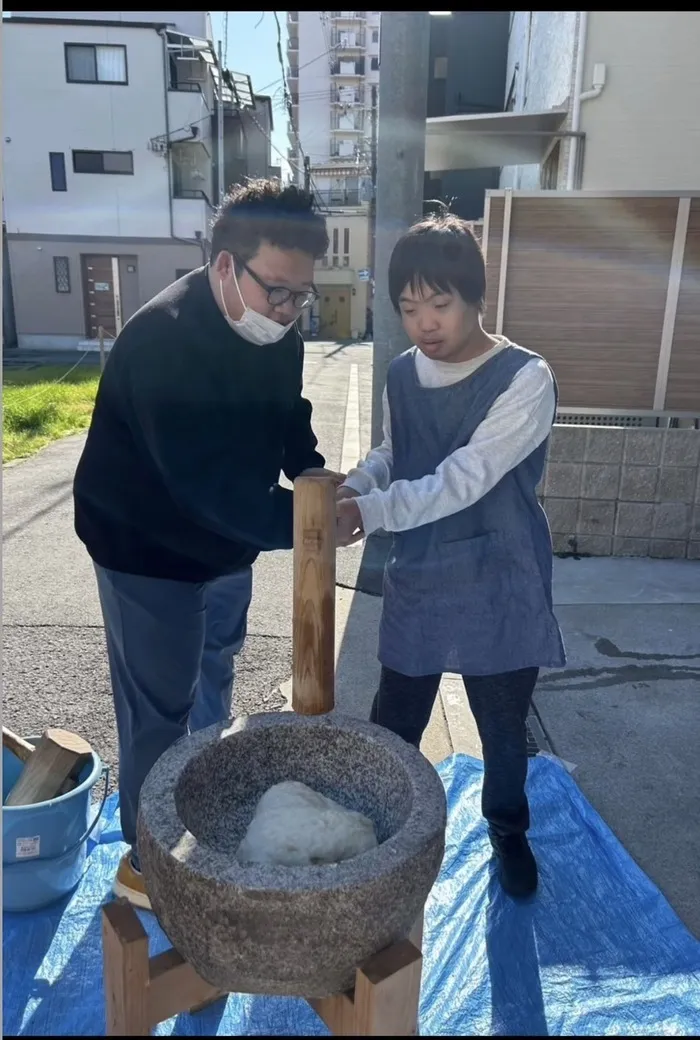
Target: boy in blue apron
[468, 583]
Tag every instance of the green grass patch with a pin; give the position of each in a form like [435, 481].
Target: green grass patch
[37, 410]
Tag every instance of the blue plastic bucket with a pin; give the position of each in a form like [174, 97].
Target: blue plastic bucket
[44, 846]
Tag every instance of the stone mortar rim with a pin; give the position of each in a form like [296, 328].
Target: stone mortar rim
[425, 822]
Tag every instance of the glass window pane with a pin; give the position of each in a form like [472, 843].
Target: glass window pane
[111, 64]
[81, 64]
[118, 162]
[57, 164]
[346, 240]
[87, 162]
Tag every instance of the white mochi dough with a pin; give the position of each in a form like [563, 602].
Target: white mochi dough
[294, 826]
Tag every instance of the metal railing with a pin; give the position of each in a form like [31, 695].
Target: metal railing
[359, 69]
[340, 42]
[358, 124]
[354, 96]
[353, 16]
[331, 197]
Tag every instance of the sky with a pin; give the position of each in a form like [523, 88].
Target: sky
[252, 47]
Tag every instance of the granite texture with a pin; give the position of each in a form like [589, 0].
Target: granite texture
[289, 931]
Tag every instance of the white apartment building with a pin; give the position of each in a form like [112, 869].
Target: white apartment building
[333, 78]
[107, 164]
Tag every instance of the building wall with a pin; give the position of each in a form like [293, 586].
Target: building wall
[43, 113]
[643, 132]
[358, 259]
[49, 319]
[314, 127]
[540, 70]
[195, 23]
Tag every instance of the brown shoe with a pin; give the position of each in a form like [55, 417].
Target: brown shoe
[129, 884]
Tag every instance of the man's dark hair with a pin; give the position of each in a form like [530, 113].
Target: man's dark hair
[266, 210]
[441, 252]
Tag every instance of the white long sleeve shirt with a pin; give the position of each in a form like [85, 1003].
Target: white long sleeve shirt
[517, 423]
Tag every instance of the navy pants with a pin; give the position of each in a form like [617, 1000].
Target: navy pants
[499, 704]
[171, 646]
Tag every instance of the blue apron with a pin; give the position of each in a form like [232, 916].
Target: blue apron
[470, 593]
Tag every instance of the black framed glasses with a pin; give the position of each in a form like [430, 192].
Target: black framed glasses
[278, 295]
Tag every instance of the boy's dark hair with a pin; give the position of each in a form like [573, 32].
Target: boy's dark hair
[261, 209]
[441, 252]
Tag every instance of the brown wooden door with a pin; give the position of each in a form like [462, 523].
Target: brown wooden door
[100, 296]
[334, 312]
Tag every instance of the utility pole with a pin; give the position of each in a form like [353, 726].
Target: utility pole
[403, 104]
[373, 200]
[220, 131]
[307, 173]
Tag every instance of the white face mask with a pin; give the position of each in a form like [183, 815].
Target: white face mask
[253, 327]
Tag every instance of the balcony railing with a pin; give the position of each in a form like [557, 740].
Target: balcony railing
[292, 72]
[331, 197]
[358, 123]
[292, 44]
[191, 193]
[351, 96]
[338, 70]
[347, 41]
[353, 16]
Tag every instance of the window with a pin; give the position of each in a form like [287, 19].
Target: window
[57, 165]
[103, 162]
[375, 35]
[94, 63]
[440, 68]
[61, 274]
[374, 64]
[346, 240]
[335, 240]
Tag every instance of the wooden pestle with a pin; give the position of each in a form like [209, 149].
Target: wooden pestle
[313, 643]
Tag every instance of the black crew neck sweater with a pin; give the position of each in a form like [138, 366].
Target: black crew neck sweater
[191, 428]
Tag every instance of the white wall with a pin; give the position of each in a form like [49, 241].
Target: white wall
[43, 113]
[643, 132]
[194, 23]
[542, 44]
[314, 85]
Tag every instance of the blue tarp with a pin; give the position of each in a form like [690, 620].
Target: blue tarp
[598, 952]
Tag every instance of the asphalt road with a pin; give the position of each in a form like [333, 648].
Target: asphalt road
[54, 660]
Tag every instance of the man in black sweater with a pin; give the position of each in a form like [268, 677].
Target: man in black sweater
[199, 409]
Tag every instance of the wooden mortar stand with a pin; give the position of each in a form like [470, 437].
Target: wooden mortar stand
[140, 990]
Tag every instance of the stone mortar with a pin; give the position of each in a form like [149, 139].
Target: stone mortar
[288, 931]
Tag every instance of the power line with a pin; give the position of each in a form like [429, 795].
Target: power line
[290, 110]
[306, 64]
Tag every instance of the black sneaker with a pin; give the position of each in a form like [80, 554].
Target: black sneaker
[517, 869]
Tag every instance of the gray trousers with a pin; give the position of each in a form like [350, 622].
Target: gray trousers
[171, 646]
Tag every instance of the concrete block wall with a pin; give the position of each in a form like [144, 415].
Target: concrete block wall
[609, 491]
